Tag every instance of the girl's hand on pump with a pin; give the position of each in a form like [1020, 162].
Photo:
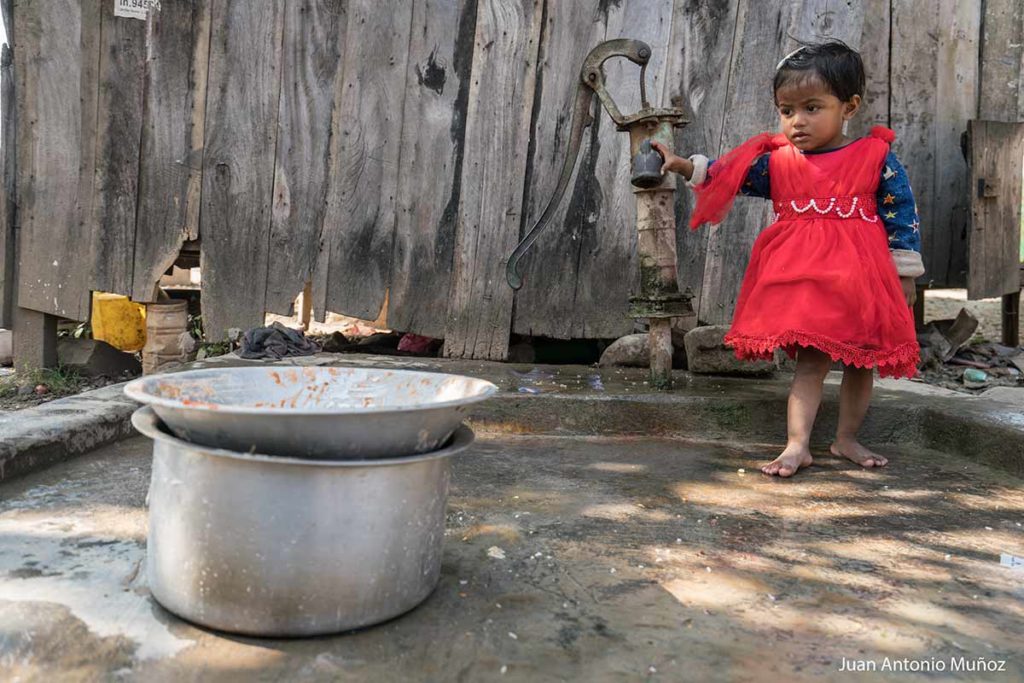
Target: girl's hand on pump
[680, 165]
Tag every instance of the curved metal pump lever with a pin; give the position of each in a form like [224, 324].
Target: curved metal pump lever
[591, 83]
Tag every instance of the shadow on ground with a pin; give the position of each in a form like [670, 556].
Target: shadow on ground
[625, 559]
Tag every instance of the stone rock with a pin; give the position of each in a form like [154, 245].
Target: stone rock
[634, 351]
[1014, 395]
[94, 358]
[631, 351]
[680, 326]
[706, 353]
[6, 347]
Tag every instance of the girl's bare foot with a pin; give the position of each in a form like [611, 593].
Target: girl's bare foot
[792, 459]
[853, 450]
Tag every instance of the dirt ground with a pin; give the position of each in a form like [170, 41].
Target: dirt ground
[943, 304]
[620, 559]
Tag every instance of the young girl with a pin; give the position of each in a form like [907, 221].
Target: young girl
[833, 278]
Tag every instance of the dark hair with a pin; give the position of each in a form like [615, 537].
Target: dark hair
[837, 65]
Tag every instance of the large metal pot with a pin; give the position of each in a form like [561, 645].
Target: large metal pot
[272, 546]
[324, 412]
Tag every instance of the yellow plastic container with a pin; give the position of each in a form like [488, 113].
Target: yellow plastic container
[119, 321]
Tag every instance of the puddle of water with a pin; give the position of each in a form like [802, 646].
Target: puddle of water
[1011, 561]
[62, 560]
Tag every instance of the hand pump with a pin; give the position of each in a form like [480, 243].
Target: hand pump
[659, 299]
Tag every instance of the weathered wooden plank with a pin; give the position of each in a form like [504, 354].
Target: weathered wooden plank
[995, 178]
[365, 157]
[611, 247]
[7, 14]
[914, 64]
[8, 168]
[121, 78]
[934, 93]
[818, 21]
[874, 50]
[1002, 61]
[314, 40]
[171, 167]
[238, 164]
[433, 137]
[497, 132]
[702, 46]
[55, 62]
[547, 305]
[749, 109]
[956, 94]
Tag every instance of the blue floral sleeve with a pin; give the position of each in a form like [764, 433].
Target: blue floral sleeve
[757, 183]
[897, 207]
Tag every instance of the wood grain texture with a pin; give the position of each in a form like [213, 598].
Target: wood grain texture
[365, 158]
[171, 167]
[914, 64]
[56, 54]
[433, 149]
[956, 93]
[609, 270]
[122, 74]
[502, 89]
[8, 169]
[550, 303]
[702, 45]
[238, 164]
[313, 43]
[749, 109]
[1002, 61]
[996, 152]
[874, 50]
[934, 93]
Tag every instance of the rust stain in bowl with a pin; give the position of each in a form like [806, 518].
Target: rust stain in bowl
[192, 403]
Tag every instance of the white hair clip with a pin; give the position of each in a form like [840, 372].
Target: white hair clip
[792, 54]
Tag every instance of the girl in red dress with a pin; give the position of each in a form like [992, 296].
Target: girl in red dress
[833, 278]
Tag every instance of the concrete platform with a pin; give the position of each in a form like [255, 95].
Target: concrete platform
[626, 559]
[580, 400]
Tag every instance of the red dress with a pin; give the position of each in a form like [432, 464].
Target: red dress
[821, 276]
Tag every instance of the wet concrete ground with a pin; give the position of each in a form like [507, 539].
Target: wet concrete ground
[625, 560]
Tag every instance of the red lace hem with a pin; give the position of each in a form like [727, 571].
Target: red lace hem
[900, 361]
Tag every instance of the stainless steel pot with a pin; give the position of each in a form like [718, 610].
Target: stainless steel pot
[273, 546]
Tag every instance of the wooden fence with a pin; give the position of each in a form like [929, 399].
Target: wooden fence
[392, 152]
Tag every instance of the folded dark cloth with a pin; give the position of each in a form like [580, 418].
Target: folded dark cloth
[277, 342]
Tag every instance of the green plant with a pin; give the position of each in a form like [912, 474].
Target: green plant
[79, 331]
[212, 349]
[59, 381]
[195, 326]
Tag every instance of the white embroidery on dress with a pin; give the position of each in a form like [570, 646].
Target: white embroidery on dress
[833, 204]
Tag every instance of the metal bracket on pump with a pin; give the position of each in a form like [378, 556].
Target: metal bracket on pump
[592, 82]
[659, 300]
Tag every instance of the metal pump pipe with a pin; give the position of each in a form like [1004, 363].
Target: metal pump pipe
[659, 299]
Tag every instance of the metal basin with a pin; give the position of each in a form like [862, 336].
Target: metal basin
[320, 413]
[272, 546]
